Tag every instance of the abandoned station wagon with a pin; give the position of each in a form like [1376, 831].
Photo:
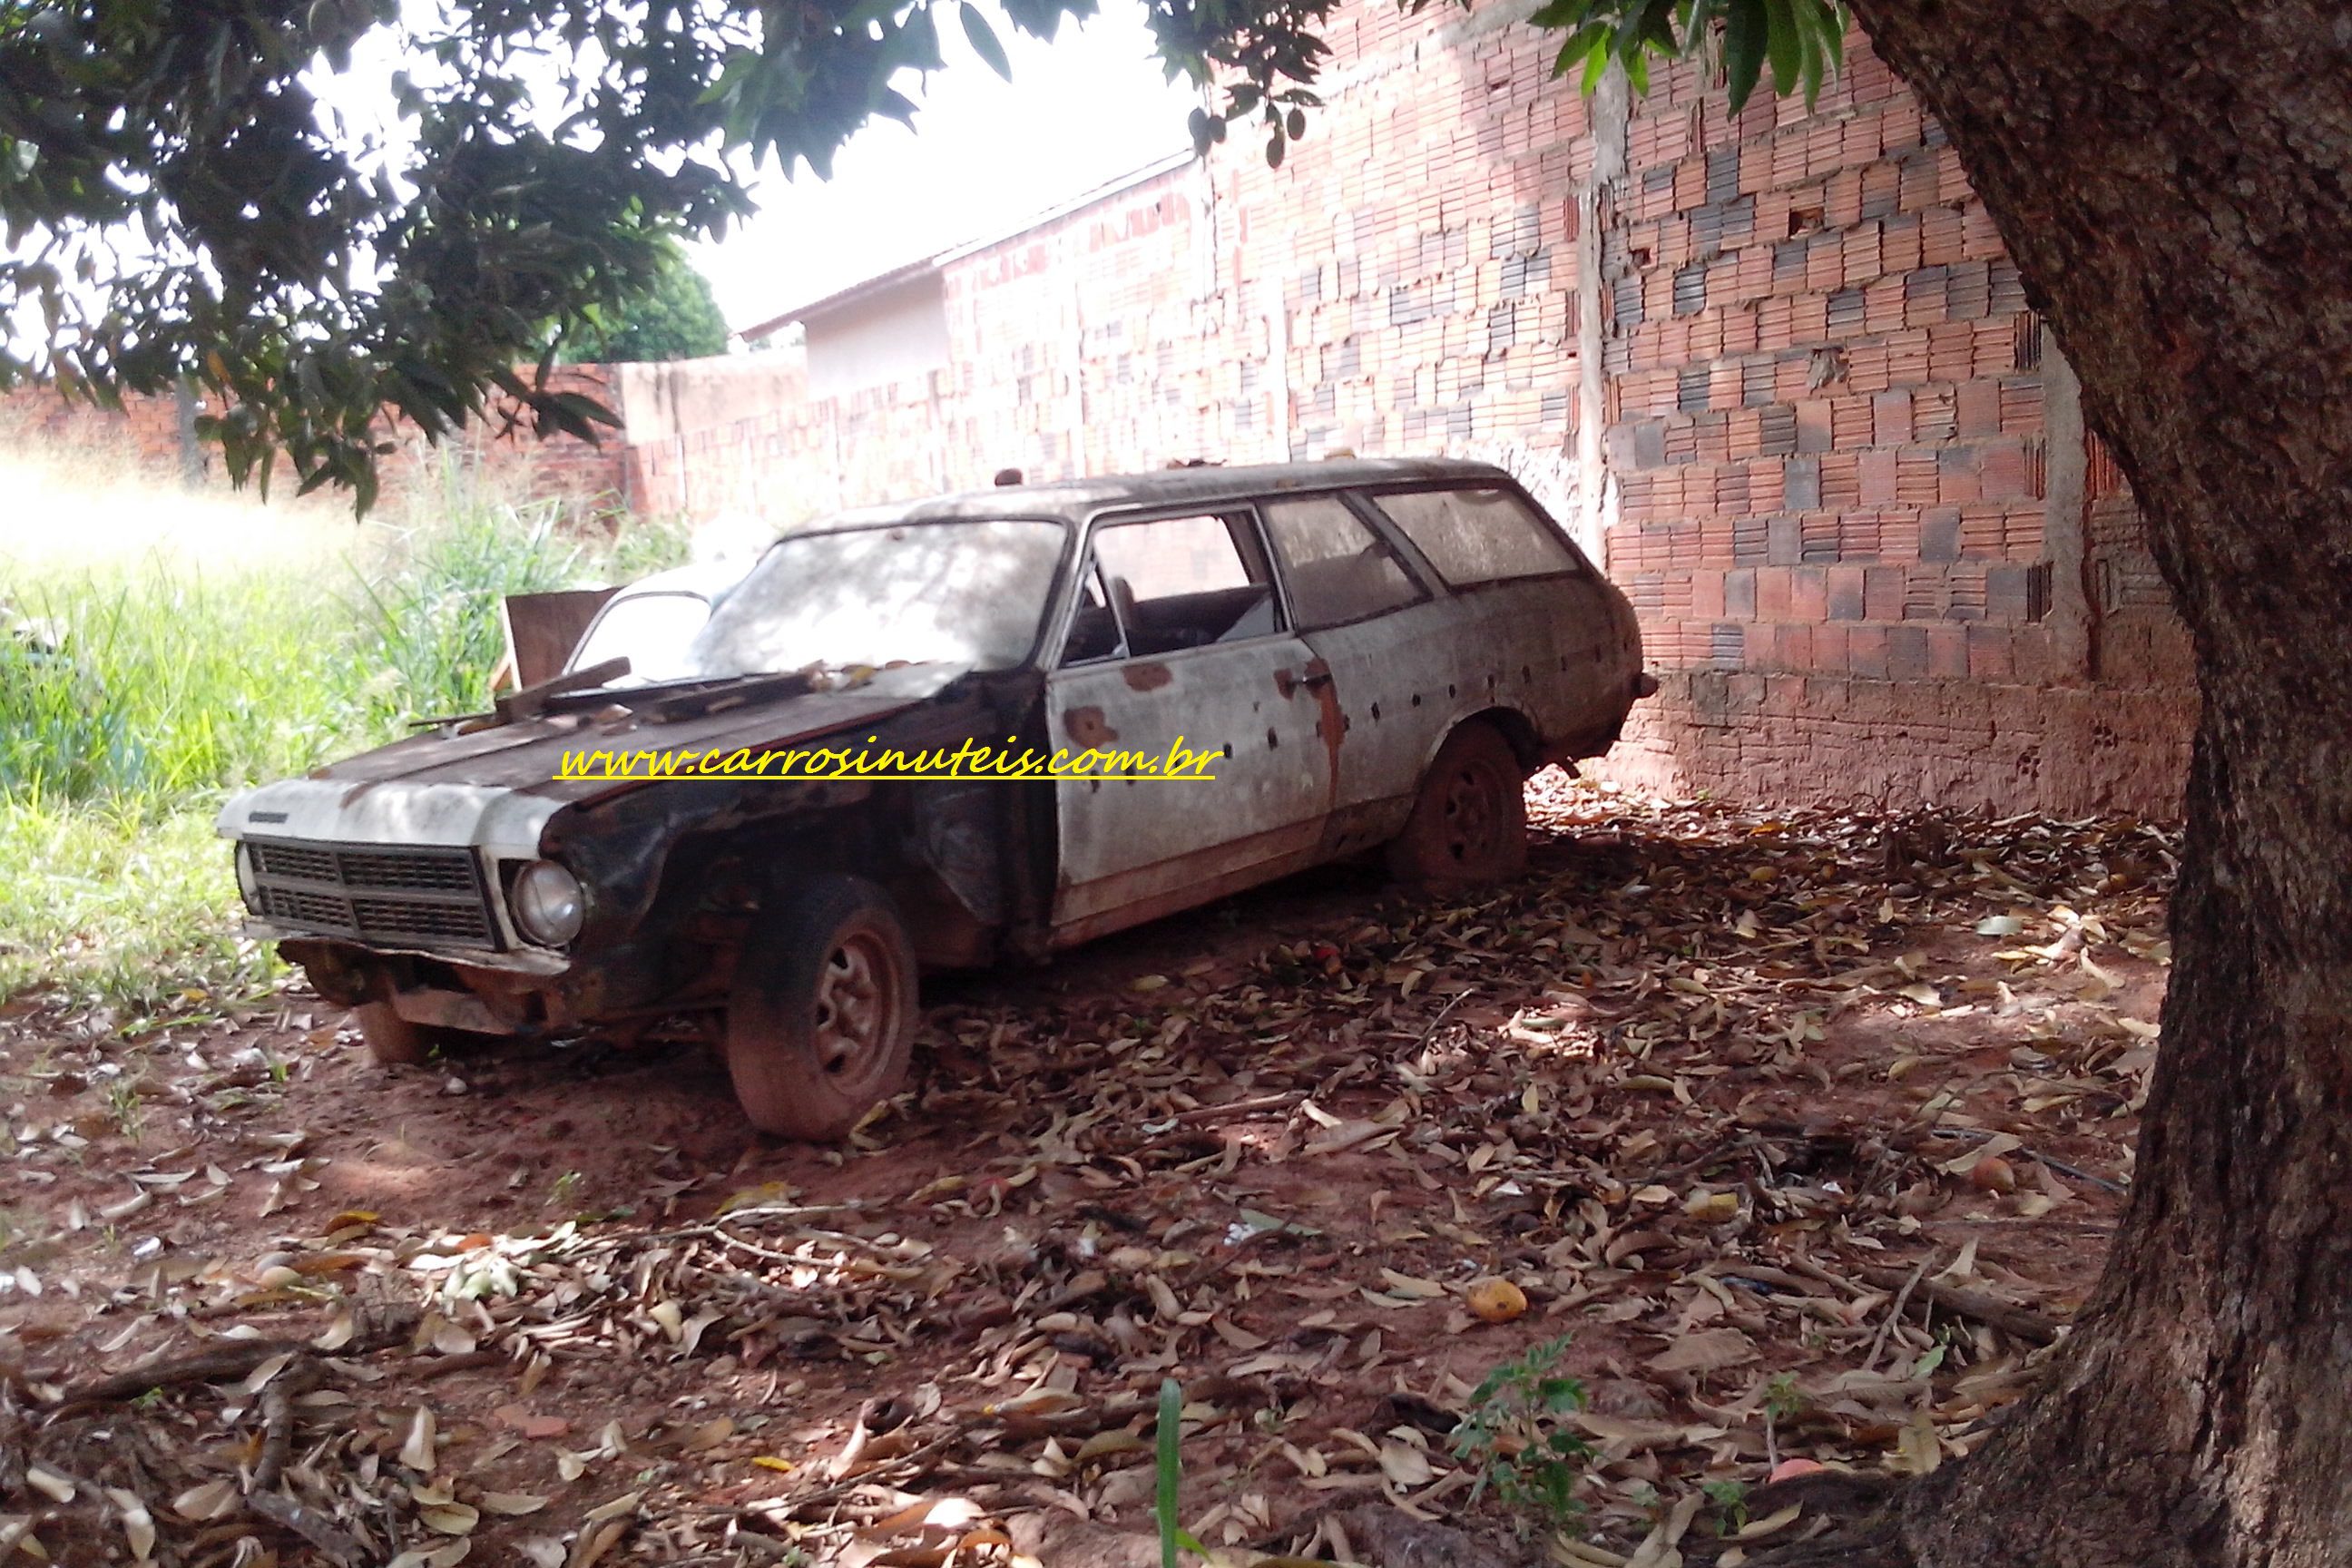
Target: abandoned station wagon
[1375, 653]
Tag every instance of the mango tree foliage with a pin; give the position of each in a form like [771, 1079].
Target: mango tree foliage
[314, 210]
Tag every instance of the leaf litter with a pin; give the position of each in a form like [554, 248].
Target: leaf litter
[1806, 1129]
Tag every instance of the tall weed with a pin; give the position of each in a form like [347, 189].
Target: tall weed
[138, 690]
[140, 684]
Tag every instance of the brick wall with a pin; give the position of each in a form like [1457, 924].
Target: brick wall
[1877, 561]
[1776, 371]
[148, 431]
[1798, 404]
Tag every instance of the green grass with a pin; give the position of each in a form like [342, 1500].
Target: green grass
[138, 689]
[134, 912]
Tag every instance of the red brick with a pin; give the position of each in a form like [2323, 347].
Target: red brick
[1808, 593]
[1866, 651]
[1980, 407]
[1882, 592]
[2000, 470]
[1830, 649]
[1948, 652]
[1878, 475]
[1795, 646]
[1890, 414]
[1942, 237]
[1846, 594]
[1991, 654]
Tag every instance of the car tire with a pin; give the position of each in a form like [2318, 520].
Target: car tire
[394, 1041]
[822, 1020]
[1469, 823]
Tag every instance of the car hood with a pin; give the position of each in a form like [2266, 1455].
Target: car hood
[497, 785]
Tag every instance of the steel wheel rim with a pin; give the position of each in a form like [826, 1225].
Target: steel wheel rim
[1472, 816]
[858, 998]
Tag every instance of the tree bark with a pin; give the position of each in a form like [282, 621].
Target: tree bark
[2174, 178]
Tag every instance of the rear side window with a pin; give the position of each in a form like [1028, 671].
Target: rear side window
[1474, 536]
[1338, 569]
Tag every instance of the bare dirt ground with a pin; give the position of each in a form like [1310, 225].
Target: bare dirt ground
[1807, 1133]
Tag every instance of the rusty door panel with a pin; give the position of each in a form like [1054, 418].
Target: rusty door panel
[1405, 679]
[1127, 851]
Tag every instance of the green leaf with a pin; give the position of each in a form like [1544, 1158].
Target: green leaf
[1170, 1467]
[1786, 44]
[984, 40]
[1596, 59]
[1744, 42]
[920, 46]
[1575, 14]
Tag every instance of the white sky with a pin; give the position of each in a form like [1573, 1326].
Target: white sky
[984, 154]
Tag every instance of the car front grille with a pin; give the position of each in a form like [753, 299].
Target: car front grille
[423, 896]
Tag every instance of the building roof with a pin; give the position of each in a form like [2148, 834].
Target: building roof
[908, 272]
[865, 288]
[1074, 500]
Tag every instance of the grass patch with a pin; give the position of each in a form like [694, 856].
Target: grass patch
[135, 913]
[140, 686]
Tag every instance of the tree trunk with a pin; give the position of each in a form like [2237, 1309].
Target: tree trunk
[2174, 178]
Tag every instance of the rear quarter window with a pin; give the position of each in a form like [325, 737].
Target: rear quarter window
[1474, 536]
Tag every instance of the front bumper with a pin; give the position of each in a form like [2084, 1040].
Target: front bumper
[537, 961]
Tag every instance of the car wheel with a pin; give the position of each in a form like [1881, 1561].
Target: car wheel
[1469, 824]
[823, 1015]
[394, 1042]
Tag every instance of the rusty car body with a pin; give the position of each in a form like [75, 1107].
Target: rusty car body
[1378, 652]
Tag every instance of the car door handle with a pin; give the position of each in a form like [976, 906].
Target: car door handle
[1316, 678]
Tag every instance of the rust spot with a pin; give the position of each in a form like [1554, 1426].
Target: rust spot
[1333, 727]
[1085, 727]
[1145, 676]
[1333, 724]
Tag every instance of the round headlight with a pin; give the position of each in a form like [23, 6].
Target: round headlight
[548, 908]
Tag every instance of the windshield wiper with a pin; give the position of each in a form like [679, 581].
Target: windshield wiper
[531, 701]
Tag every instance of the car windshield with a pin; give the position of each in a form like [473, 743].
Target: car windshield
[652, 631]
[967, 593]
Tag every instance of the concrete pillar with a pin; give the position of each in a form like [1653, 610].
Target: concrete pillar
[2065, 506]
[1282, 431]
[1595, 211]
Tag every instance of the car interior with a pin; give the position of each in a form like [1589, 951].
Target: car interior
[1167, 614]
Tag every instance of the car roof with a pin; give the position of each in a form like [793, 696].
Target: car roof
[704, 578]
[1074, 500]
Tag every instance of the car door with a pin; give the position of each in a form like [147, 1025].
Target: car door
[1532, 608]
[1178, 634]
[1412, 663]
